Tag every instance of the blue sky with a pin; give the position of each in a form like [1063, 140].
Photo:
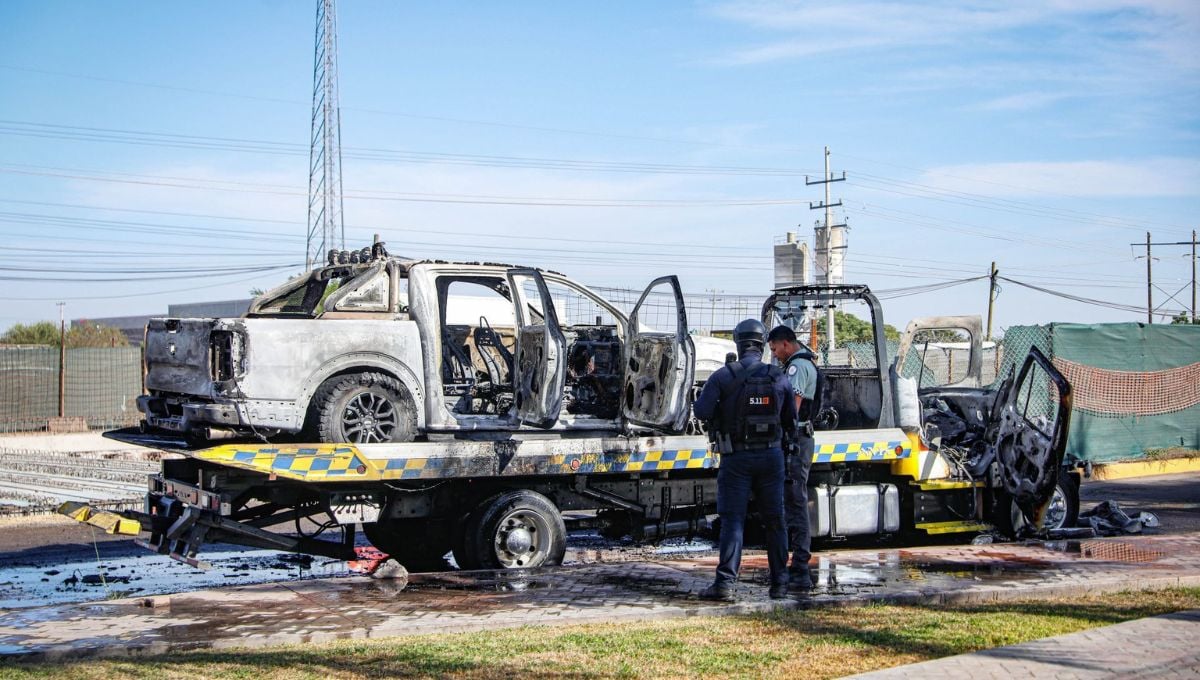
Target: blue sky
[157, 141]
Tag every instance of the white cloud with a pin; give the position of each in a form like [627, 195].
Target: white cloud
[1023, 101]
[1151, 178]
[1167, 30]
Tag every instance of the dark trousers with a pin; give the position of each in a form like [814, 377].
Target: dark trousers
[741, 473]
[796, 503]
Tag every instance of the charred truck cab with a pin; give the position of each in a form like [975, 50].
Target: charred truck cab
[473, 409]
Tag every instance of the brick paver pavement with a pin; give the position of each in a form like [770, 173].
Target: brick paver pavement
[318, 610]
[1157, 647]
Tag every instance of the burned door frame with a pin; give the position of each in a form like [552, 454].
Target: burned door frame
[643, 402]
[539, 365]
[972, 324]
[791, 305]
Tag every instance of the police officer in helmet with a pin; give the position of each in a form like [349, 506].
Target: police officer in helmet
[751, 415]
[797, 362]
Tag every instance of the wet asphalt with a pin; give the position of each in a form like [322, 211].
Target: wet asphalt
[77, 568]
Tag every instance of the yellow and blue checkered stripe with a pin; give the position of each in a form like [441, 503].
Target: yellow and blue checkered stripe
[345, 462]
[570, 463]
[848, 452]
[331, 462]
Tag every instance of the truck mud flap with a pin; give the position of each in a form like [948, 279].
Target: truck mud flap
[111, 522]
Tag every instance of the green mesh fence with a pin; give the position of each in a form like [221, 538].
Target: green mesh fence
[102, 385]
[1136, 387]
[28, 387]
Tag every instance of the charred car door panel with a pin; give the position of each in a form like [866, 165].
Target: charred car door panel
[1028, 433]
[539, 365]
[659, 359]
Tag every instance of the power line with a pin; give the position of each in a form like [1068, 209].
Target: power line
[173, 277]
[267, 147]
[372, 229]
[188, 289]
[202, 184]
[399, 114]
[1005, 185]
[1087, 300]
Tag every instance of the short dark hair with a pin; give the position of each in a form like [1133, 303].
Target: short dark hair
[781, 333]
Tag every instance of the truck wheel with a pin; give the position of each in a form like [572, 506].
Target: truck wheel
[515, 530]
[364, 408]
[1062, 512]
[418, 544]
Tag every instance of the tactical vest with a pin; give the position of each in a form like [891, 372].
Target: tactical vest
[756, 423]
[809, 408]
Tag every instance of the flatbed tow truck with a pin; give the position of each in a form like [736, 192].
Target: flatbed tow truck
[497, 499]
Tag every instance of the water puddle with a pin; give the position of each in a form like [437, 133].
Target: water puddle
[1107, 551]
[152, 574]
[898, 570]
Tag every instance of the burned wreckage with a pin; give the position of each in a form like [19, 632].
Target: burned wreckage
[984, 458]
[385, 349]
[478, 409]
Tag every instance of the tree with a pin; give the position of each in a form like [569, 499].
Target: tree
[47, 333]
[94, 335]
[1184, 318]
[40, 333]
[850, 328]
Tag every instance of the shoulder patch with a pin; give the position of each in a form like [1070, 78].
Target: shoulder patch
[792, 369]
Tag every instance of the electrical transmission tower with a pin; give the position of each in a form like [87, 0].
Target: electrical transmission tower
[326, 229]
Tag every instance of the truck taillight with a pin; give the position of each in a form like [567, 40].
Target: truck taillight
[227, 355]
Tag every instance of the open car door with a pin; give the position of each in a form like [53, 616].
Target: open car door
[1028, 435]
[942, 351]
[539, 365]
[660, 360]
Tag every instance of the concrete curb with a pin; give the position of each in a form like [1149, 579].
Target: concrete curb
[931, 597]
[1145, 468]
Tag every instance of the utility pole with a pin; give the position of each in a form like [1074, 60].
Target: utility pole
[827, 242]
[1150, 281]
[991, 299]
[712, 309]
[62, 359]
[326, 228]
[1149, 285]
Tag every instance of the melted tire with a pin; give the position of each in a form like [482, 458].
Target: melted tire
[1009, 520]
[362, 408]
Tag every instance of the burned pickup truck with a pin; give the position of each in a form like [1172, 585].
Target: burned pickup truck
[373, 348]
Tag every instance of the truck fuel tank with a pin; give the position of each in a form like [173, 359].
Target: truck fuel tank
[853, 510]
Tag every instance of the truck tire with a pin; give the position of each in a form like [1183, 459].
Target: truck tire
[514, 530]
[418, 544]
[1063, 510]
[364, 408]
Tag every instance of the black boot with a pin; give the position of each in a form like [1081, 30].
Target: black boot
[719, 592]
